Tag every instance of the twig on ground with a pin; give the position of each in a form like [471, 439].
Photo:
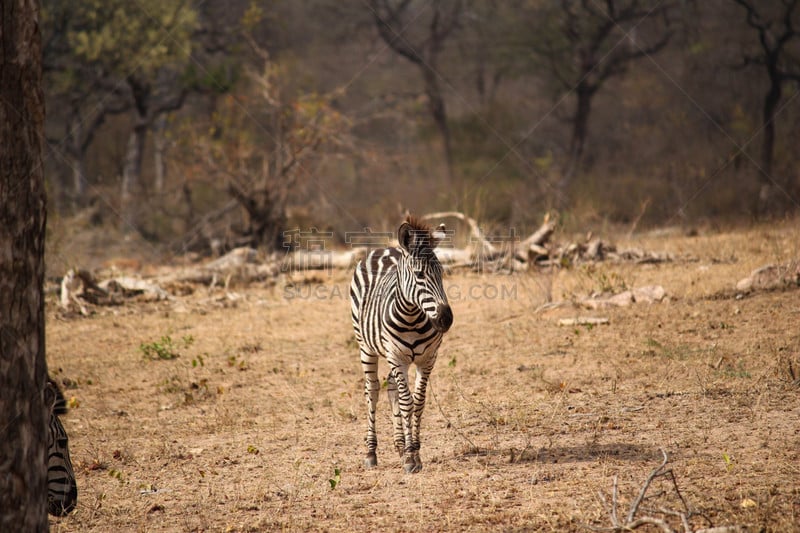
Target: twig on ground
[449, 422]
[654, 474]
[633, 522]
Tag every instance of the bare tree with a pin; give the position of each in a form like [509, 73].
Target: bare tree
[393, 18]
[90, 49]
[489, 30]
[78, 136]
[594, 42]
[82, 94]
[151, 100]
[23, 370]
[776, 33]
[262, 153]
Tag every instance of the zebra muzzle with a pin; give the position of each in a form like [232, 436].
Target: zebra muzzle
[444, 318]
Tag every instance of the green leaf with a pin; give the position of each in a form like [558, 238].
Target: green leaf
[336, 479]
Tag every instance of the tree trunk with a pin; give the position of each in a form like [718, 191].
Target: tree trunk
[580, 131]
[23, 370]
[78, 180]
[437, 109]
[266, 216]
[268, 229]
[767, 194]
[131, 173]
[159, 147]
[75, 155]
[580, 123]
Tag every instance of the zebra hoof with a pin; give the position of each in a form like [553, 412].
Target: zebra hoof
[412, 465]
[412, 468]
[371, 460]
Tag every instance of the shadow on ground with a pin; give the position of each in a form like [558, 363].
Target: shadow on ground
[574, 454]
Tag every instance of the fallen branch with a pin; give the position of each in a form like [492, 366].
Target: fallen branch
[771, 277]
[487, 249]
[541, 235]
[127, 286]
[583, 321]
[513, 256]
[632, 522]
[646, 294]
[79, 288]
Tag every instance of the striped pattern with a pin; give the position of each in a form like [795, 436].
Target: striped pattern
[400, 312]
[62, 489]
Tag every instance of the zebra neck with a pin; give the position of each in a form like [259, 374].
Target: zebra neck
[408, 310]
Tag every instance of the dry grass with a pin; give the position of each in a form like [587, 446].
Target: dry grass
[526, 420]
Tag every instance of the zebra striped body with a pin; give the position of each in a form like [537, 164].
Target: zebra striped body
[62, 489]
[400, 312]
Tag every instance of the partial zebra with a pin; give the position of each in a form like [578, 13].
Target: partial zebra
[62, 489]
[400, 312]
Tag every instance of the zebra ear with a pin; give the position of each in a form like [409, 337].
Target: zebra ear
[58, 402]
[438, 235]
[404, 236]
[50, 396]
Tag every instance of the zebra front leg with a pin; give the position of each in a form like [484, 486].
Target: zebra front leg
[406, 405]
[397, 417]
[420, 388]
[369, 364]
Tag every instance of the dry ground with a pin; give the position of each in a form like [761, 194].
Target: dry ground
[526, 420]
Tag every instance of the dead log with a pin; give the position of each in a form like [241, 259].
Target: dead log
[240, 263]
[770, 277]
[640, 257]
[79, 288]
[541, 235]
[454, 257]
[321, 259]
[514, 257]
[594, 250]
[536, 251]
[532, 248]
[130, 287]
[646, 294]
[485, 248]
[233, 259]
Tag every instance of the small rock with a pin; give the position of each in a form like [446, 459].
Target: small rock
[649, 294]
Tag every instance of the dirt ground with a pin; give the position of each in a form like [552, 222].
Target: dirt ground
[258, 423]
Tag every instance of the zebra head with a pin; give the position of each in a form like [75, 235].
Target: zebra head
[420, 272]
[62, 489]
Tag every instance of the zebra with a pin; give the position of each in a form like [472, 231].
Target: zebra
[62, 489]
[400, 312]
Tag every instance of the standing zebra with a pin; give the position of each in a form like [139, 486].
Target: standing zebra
[62, 489]
[400, 312]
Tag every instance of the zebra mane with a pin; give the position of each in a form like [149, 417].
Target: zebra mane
[418, 225]
[423, 238]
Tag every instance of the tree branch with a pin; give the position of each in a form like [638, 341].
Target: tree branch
[99, 119]
[389, 28]
[616, 63]
[753, 16]
[172, 104]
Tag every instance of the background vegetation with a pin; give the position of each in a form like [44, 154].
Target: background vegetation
[207, 125]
